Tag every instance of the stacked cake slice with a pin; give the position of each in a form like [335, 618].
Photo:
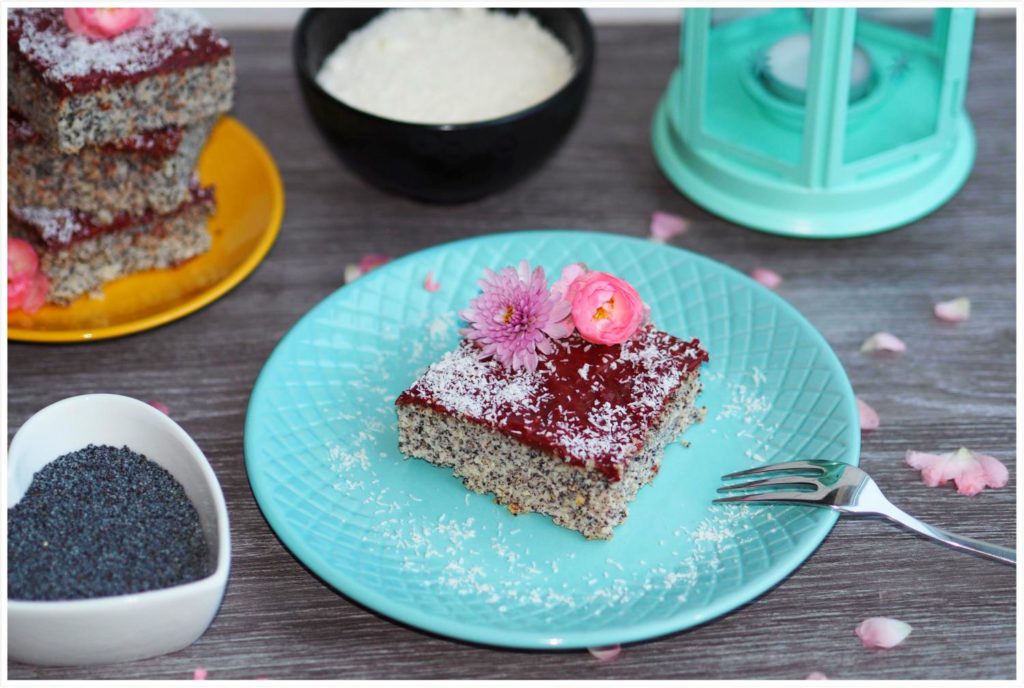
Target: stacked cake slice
[103, 137]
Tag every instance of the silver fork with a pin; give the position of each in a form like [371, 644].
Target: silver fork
[848, 490]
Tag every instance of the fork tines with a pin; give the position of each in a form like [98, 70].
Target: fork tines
[796, 475]
[814, 467]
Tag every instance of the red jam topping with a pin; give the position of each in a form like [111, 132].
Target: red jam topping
[69, 63]
[591, 405]
[59, 228]
[156, 143]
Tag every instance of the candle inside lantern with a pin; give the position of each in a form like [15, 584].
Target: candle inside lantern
[787, 62]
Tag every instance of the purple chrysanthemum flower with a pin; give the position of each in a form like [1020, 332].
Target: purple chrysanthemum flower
[516, 316]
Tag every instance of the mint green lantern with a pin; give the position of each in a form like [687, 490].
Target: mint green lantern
[818, 123]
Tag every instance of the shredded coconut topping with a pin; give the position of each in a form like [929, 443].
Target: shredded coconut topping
[55, 225]
[458, 378]
[592, 406]
[63, 56]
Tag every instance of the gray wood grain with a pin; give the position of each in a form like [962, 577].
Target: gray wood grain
[954, 386]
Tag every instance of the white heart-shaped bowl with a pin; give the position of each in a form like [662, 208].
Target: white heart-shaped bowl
[123, 627]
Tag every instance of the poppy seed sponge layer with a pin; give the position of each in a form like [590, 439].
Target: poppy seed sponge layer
[79, 258]
[575, 440]
[147, 172]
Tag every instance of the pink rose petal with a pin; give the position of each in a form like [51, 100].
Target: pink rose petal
[199, 674]
[570, 273]
[816, 676]
[429, 284]
[768, 278]
[996, 474]
[954, 311]
[372, 261]
[922, 460]
[966, 472]
[882, 632]
[369, 262]
[161, 407]
[605, 654]
[883, 341]
[971, 472]
[352, 273]
[664, 226]
[868, 416]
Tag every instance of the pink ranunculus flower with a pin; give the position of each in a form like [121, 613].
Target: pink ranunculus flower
[100, 23]
[606, 309]
[27, 286]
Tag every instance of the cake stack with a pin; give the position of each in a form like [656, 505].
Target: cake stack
[104, 130]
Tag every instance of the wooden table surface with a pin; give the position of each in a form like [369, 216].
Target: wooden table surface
[954, 386]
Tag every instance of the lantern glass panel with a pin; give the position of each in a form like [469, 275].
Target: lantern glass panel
[902, 106]
[737, 77]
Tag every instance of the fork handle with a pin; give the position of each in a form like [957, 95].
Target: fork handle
[985, 549]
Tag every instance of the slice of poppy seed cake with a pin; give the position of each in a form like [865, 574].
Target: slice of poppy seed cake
[575, 439]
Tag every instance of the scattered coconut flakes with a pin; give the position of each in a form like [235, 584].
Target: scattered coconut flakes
[747, 403]
[883, 341]
[766, 277]
[605, 654]
[445, 554]
[953, 311]
[161, 407]
[429, 284]
[664, 226]
[65, 56]
[882, 632]
[868, 416]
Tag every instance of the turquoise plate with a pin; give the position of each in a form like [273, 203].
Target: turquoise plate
[407, 540]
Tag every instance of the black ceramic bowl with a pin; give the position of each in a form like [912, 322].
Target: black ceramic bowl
[441, 163]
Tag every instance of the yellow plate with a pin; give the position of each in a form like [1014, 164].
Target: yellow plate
[250, 203]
